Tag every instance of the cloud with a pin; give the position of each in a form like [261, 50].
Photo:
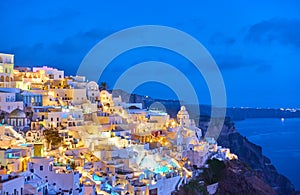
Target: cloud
[60, 18]
[221, 39]
[238, 61]
[282, 31]
[233, 61]
[80, 42]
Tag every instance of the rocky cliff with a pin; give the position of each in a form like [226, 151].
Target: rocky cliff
[231, 178]
[238, 178]
[252, 155]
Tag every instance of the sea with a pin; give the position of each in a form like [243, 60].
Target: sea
[280, 140]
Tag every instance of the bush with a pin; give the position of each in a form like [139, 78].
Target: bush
[213, 173]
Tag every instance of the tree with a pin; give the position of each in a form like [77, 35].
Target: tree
[103, 86]
[72, 165]
[52, 137]
[193, 187]
[213, 173]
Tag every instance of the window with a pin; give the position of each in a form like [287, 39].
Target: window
[51, 119]
[57, 119]
[41, 168]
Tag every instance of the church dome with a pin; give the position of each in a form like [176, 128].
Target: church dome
[182, 111]
[17, 113]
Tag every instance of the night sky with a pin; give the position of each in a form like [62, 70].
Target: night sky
[256, 44]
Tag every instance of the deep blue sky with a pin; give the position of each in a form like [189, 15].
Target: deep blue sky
[255, 43]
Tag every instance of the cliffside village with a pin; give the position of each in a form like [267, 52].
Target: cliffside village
[62, 135]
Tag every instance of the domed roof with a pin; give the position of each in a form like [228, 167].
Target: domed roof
[183, 111]
[17, 113]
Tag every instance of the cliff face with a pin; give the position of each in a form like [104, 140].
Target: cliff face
[237, 178]
[252, 155]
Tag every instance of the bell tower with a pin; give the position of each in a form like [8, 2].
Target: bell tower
[183, 117]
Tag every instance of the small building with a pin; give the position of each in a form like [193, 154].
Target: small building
[32, 99]
[92, 91]
[8, 100]
[6, 63]
[65, 181]
[52, 73]
[11, 184]
[33, 135]
[17, 118]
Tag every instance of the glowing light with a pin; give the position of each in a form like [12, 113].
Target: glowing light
[162, 169]
[98, 178]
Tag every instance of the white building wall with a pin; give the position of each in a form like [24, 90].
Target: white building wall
[76, 96]
[54, 119]
[65, 181]
[10, 106]
[8, 102]
[57, 74]
[12, 186]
